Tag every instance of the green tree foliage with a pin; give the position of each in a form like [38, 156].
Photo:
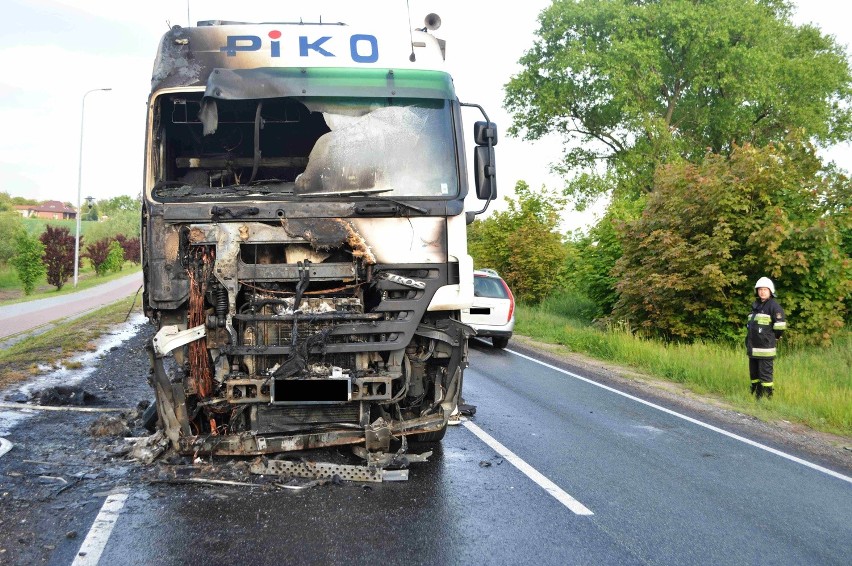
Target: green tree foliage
[523, 243]
[8, 202]
[90, 213]
[10, 224]
[637, 84]
[27, 261]
[58, 256]
[594, 255]
[115, 257]
[124, 222]
[122, 203]
[710, 231]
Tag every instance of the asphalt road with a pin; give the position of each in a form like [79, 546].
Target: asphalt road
[656, 489]
[30, 315]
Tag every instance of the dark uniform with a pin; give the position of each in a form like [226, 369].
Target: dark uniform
[766, 324]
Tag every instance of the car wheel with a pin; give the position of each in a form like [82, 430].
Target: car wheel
[500, 342]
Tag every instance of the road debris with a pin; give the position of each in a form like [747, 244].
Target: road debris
[62, 395]
[106, 425]
[146, 449]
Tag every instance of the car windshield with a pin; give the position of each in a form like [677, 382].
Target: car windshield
[489, 287]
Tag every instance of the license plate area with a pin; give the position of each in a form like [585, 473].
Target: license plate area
[310, 391]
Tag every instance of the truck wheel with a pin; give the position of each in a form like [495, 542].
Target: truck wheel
[435, 436]
[500, 342]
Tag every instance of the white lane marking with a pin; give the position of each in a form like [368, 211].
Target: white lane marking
[536, 476]
[92, 548]
[5, 446]
[693, 421]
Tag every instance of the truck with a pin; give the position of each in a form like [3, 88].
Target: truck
[304, 236]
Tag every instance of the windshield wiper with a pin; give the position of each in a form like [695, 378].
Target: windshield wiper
[345, 193]
[369, 193]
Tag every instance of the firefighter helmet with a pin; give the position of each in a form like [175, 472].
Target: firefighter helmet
[765, 282]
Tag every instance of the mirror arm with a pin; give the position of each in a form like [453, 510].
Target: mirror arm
[490, 153]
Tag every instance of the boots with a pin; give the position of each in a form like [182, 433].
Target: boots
[755, 388]
[766, 390]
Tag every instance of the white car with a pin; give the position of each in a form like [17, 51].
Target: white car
[493, 311]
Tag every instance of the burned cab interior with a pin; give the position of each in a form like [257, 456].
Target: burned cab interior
[206, 144]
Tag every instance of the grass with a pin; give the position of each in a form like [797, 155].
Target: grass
[11, 292]
[57, 346]
[813, 385]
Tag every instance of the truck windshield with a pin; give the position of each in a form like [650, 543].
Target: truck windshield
[299, 146]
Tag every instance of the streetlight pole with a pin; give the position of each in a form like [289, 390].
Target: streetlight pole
[80, 187]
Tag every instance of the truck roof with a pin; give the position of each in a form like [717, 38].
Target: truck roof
[188, 56]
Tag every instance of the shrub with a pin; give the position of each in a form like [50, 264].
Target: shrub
[98, 254]
[58, 254]
[130, 246]
[27, 261]
[115, 257]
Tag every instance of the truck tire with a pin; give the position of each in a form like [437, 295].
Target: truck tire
[500, 342]
[435, 436]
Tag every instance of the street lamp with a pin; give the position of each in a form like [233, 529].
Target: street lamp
[80, 187]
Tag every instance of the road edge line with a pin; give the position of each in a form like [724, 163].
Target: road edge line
[708, 426]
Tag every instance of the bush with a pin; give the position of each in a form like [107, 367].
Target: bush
[58, 254]
[131, 247]
[98, 254]
[27, 261]
[710, 231]
[115, 257]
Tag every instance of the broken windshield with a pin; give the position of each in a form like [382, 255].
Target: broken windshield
[288, 146]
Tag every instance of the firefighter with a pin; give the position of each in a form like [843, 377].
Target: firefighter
[766, 324]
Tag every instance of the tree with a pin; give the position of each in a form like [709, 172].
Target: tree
[122, 203]
[90, 214]
[591, 264]
[710, 231]
[10, 224]
[58, 254]
[631, 85]
[523, 243]
[27, 261]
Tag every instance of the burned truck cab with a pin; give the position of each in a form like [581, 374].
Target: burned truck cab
[304, 237]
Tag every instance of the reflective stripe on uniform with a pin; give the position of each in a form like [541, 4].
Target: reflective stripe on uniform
[763, 352]
[763, 319]
[780, 325]
[755, 381]
[768, 384]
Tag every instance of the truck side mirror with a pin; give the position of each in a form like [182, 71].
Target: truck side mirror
[485, 171]
[484, 131]
[485, 168]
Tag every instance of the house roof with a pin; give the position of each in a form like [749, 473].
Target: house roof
[52, 206]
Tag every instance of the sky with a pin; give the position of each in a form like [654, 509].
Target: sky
[54, 51]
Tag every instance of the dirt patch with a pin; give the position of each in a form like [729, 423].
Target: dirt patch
[826, 449]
